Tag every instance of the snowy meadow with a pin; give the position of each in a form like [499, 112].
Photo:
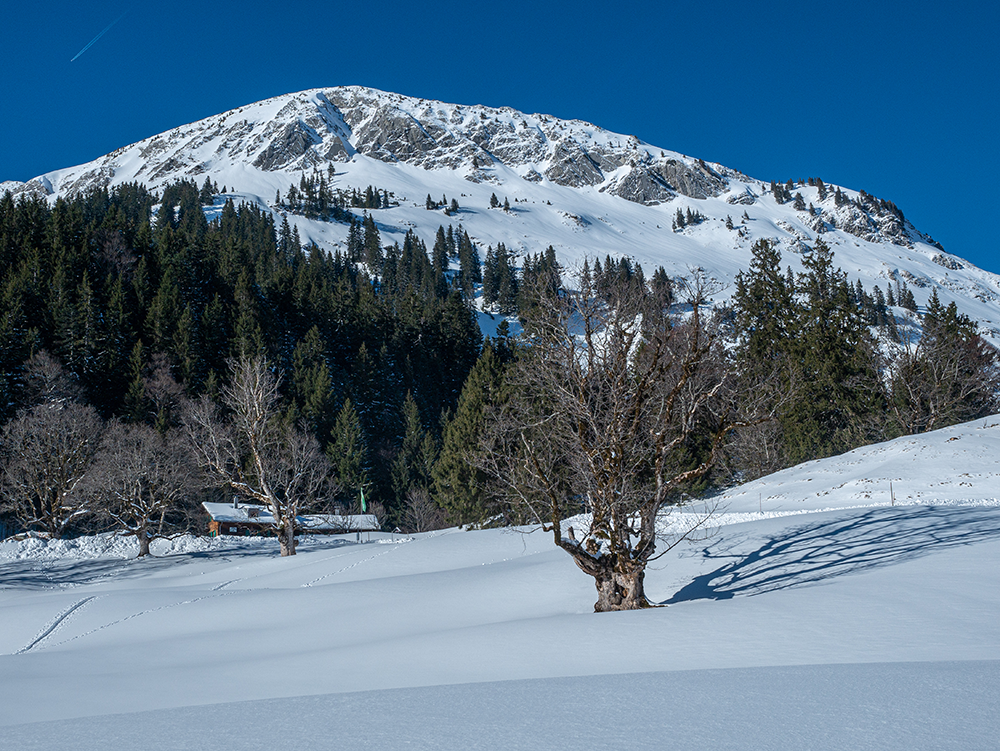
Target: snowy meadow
[827, 610]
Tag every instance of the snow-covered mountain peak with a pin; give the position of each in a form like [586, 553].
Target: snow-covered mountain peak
[573, 185]
[313, 128]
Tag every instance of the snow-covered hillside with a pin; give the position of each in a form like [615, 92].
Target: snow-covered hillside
[831, 619]
[570, 184]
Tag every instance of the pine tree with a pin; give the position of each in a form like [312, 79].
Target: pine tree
[185, 349]
[206, 194]
[347, 452]
[164, 310]
[842, 400]
[764, 307]
[951, 376]
[136, 404]
[440, 253]
[413, 463]
[458, 485]
[470, 267]
[89, 319]
[506, 282]
[215, 334]
[372, 244]
[14, 344]
[491, 277]
[355, 242]
[311, 383]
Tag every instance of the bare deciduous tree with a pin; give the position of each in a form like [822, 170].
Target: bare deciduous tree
[144, 479]
[47, 449]
[949, 376]
[420, 513]
[166, 395]
[617, 407]
[755, 451]
[47, 382]
[46, 453]
[255, 452]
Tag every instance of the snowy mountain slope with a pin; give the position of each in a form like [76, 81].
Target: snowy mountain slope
[956, 465]
[572, 185]
[871, 627]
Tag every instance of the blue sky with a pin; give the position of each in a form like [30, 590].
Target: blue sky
[901, 100]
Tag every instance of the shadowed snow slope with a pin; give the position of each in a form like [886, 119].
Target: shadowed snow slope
[839, 627]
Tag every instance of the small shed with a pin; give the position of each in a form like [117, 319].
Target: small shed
[246, 519]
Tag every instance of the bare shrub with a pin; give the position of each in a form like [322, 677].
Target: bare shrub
[420, 513]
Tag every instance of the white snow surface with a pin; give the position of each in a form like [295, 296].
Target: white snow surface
[830, 620]
[584, 219]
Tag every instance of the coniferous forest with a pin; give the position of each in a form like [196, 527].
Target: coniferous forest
[116, 318]
[141, 311]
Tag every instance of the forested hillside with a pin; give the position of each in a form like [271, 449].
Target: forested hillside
[141, 310]
[121, 308]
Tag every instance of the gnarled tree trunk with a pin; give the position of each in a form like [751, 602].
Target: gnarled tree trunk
[619, 583]
[286, 538]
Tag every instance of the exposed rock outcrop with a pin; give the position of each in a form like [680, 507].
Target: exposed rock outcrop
[291, 142]
[567, 152]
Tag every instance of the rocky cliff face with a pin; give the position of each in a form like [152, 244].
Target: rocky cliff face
[434, 135]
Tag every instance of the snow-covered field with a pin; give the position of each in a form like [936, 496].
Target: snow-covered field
[819, 615]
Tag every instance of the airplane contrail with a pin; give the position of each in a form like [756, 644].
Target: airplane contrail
[106, 30]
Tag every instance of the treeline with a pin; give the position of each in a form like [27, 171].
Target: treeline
[128, 302]
[782, 193]
[124, 313]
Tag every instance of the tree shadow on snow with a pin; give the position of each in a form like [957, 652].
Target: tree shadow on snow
[813, 553]
[35, 574]
[56, 574]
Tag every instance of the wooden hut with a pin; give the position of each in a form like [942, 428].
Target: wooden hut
[246, 519]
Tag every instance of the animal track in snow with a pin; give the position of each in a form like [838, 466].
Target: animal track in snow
[141, 612]
[348, 568]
